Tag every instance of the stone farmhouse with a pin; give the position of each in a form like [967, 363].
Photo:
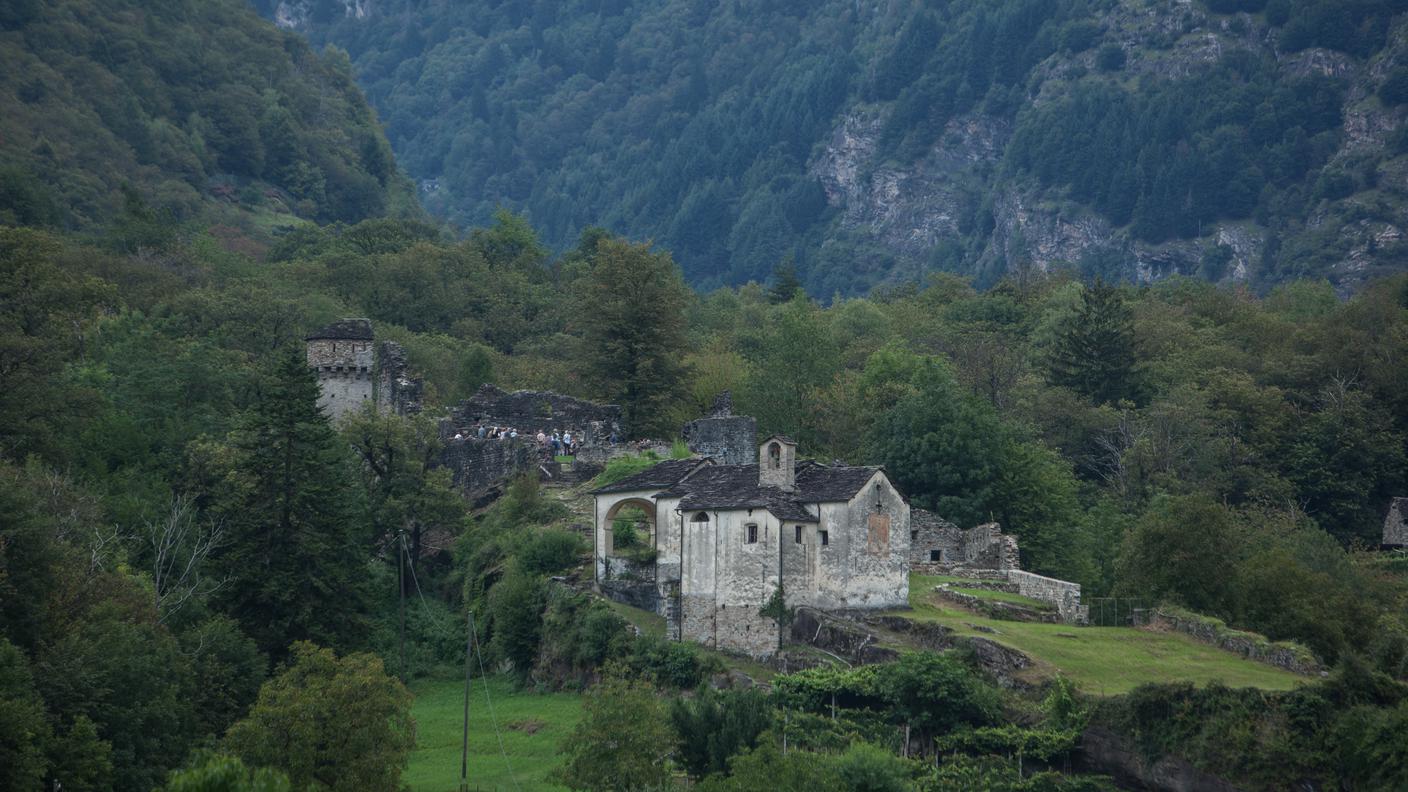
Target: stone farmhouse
[726, 538]
[354, 371]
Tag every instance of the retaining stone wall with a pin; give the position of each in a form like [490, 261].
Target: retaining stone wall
[1061, 593]
[479, 467]
[1296, 659]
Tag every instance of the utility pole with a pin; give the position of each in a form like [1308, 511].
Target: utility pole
[464, 740]
[401, 586]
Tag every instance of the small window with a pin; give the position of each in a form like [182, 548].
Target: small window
[825, 538]
[936, 555]
[752, 533]
[699, 517]
[775, 455]
[913, 535]
[798, 538]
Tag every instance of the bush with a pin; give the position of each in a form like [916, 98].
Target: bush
[550, 551]
[672, 664]
[623, 466]
[339, 724]
[220, 773]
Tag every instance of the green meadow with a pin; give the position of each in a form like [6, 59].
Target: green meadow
[531, 726]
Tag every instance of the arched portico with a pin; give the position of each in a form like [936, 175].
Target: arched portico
[610, 508]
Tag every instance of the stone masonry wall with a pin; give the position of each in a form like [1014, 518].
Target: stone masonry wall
[480, 466]
[398, 393]
[1290, 657]
[1063, 594]
[731, 441]
[345, 374]
[533, 411]
[1396, 523]
[934, 540]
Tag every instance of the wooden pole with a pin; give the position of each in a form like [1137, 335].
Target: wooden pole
[464, 740]
[401, 586]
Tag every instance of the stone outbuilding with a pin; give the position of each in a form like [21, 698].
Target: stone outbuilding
[1396, 524]
[355, 371]
[937, 545]
[725, 538]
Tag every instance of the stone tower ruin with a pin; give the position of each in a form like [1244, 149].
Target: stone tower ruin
[355, 371]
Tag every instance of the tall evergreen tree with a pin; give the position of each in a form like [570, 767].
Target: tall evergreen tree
[296, 549]
[634, 322]
[1095, 355]
[785, 283]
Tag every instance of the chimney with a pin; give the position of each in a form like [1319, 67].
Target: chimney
[777, 464]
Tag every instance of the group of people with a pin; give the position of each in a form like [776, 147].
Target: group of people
[558, 443]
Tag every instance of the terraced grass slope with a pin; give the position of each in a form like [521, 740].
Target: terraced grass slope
[1102, 660]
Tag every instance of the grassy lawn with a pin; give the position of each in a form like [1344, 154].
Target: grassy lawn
[439, 711]
[1104, 660]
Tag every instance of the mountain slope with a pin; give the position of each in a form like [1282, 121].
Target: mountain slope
[1248, 139]
[180, 106]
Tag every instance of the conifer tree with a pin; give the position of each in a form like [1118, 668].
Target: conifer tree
[785, 283]
[1095, 355]
[296, 547]
[633, 314]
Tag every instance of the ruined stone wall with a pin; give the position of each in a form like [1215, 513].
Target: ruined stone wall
[986, 547]
[533, 411]
[1285, 655]
[934, 540]
[1396, 523]
[397, 392]
[731, 440]
[480, 466]
[345, 375]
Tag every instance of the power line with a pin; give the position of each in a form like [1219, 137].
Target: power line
[492, 718]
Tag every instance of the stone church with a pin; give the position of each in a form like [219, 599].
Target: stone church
[726, 537]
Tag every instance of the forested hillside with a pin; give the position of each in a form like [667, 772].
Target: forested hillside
[142, 116]
[1255, 140]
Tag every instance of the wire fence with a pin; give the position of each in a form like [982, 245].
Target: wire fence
[1119, 611]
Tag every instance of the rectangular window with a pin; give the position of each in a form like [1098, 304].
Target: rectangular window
[913, 535]
[936, 555]
[825, 538]
[752, 533]
[798, 538]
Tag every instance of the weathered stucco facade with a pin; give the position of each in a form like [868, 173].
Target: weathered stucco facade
[727, 537]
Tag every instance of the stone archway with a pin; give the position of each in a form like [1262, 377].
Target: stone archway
[644, 524]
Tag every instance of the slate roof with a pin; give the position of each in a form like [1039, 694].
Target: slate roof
[344, 330]
[703, 486]
[726, 487]
[829, 484]
[656, 477]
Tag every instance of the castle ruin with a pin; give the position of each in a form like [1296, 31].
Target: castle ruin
[354, 371]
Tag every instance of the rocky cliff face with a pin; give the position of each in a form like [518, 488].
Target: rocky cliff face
[296, 14]
[910, 208]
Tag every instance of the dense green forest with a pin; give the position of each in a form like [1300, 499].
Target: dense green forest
[1184, 443]
[199, 572]
[712, 128]
[180, 110]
